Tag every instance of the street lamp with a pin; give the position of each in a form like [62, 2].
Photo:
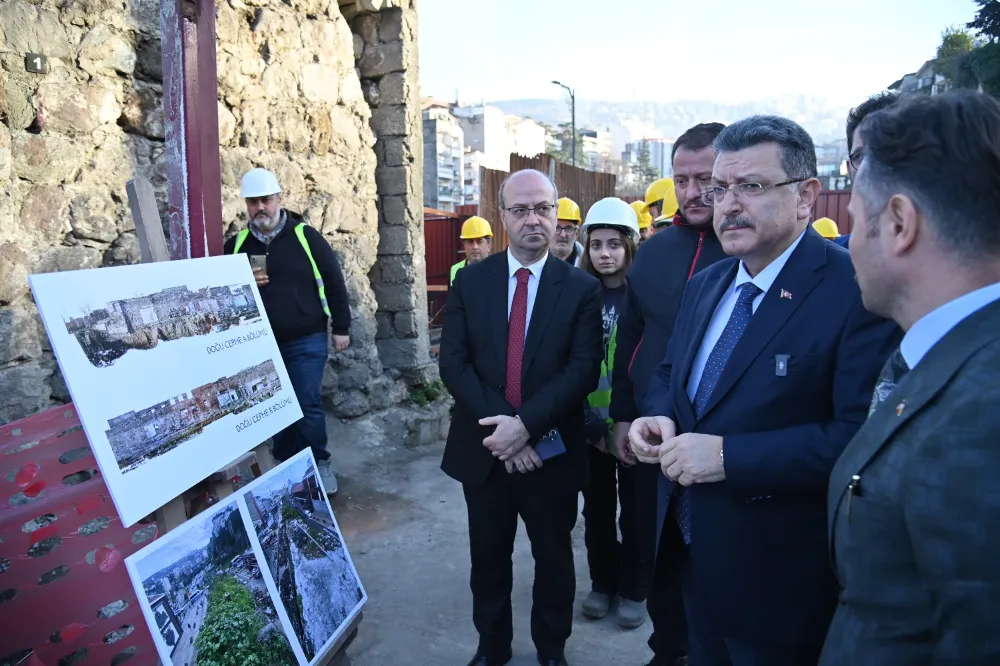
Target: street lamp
[572, 106]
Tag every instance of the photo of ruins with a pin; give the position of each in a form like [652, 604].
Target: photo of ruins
[106, 334]
[306, 555]
[136, 437]
[208, 597]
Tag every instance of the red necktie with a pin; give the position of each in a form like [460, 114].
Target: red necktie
[516, 326]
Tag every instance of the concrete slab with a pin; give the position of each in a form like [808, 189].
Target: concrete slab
[405, 525]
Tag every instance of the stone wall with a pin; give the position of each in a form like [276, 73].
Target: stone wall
[385, 46]
[290, 99]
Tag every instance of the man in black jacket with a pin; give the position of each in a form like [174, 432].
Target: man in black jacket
[656, 281]
[302, 287]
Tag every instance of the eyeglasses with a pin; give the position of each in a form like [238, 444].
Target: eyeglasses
[566, 229]
[714, 196]
[521, 212]
[855, 159]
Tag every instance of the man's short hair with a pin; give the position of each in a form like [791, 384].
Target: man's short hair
[697, 138]
[943, 152]
[798, 153]
[503, 185]
[874, 103]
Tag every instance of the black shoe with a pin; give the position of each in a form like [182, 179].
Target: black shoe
[660, 661]
[558, 661]
[481, 659]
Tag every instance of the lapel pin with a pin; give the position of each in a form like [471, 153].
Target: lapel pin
[900, 407]
[786, 294]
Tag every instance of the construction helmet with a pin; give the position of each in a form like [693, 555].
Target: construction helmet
[476, 227]
[662, 190]
[259, 183]
[568, 211]
[614, 213]
[645, 219]
[826, 228]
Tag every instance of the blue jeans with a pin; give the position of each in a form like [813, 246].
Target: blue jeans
[305, 358]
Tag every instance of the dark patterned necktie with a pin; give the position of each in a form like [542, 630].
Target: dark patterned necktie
[516, 326]
[892, 373]
[717, 360]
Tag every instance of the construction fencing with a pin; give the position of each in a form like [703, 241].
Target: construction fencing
[582, 186]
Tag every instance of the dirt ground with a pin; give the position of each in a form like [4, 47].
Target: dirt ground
[405, 526]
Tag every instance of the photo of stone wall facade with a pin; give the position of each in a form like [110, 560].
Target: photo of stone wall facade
[106, 334]
[136, 437]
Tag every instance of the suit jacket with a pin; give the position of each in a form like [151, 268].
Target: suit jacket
[560, 367]
[915, 549]
[760, 534]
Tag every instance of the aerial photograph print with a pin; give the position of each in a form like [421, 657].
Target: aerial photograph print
[305, 553]
[208, 601]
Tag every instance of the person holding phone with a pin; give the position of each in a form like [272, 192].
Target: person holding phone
[303, 291]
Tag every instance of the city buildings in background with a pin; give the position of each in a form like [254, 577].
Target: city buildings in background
[444, 140]
[485, 130]
[596, 147]
[831, 165]
[659, 155]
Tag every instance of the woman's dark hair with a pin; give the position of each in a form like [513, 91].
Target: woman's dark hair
[630, 249]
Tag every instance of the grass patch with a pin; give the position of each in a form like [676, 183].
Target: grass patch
[425, 394]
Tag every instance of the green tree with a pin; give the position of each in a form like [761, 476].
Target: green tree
[987, 21]
[644, 170]
[564, 153]
[955, 42]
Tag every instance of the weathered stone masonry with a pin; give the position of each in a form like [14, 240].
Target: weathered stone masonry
[343, 141]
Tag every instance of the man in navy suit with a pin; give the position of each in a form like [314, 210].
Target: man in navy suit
[768, 375]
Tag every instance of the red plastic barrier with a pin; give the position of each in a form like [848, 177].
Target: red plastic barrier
[65, 595]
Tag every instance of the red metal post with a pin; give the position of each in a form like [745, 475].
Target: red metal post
[190, 100]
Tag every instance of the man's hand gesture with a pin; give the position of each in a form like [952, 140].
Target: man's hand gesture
[509, 437]
[647, 435]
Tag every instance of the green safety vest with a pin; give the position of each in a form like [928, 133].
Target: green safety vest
[300, 233]
[600, 400]
[454, 271]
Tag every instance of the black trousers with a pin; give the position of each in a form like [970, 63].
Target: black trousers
[549, 518]
[665, 605]
[622, 568]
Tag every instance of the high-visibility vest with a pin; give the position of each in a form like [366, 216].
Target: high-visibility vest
[455, 269]
[300, 233]
[600, 400]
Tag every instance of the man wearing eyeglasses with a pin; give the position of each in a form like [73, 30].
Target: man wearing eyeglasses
[564, 245]
[855, 144]
[521, 349]
[768, 375]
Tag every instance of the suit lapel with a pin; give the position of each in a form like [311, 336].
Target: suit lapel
[913, 392]
[497, 306]
[549, 288]
[797, 279]
[704, 310]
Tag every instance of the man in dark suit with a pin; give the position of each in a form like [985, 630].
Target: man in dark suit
[511, 389]
[914, 500]
[766, 378]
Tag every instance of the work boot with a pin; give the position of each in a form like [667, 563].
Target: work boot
[631, 614]
[597, 605]
[328, 476]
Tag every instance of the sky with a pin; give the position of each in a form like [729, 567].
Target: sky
[172, 548]
[662, 50]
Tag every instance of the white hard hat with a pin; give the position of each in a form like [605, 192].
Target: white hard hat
[612, 212]
[259, 183]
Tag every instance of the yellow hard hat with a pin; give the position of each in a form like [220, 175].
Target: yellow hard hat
[476, 227]
[569, 211]
[826, 228]
[645, 219]
[662, 190]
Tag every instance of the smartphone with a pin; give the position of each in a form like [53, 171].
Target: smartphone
[259, 261]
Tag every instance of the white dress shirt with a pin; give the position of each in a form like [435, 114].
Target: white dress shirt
[764, 280]
[536, 274]
[936, 324]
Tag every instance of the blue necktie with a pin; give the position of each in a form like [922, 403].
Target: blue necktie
[723, 349]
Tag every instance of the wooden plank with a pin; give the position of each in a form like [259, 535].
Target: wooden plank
[437, 287]
[149, 231]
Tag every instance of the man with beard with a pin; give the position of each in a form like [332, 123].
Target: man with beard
[303, 291]
[477, 239]
[656, 281]
[768, 375]
[564, 244]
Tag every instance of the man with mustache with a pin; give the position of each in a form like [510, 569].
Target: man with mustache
[303, 292]
[655, 283]
[768, 375]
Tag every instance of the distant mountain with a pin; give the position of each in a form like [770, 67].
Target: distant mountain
[631, 121]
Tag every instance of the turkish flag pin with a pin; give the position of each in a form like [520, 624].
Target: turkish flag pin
[786, 294]
[900, 407]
